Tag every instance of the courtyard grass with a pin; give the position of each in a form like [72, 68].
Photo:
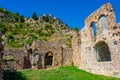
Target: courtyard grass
[61, 73]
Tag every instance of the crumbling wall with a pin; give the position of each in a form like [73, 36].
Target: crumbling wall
[106, 32]
[38, 51]
[17, 63]
[76, 49]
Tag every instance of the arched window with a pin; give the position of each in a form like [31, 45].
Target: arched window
[103, 23]
[94, 30]
[102, 52]
[48, 58]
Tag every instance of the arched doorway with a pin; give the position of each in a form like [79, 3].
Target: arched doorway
[48, 59]
[102, 52]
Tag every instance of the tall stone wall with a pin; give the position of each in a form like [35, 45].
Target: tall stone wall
[106, 40]
[76, 48]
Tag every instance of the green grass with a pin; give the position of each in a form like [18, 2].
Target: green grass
[62, 73]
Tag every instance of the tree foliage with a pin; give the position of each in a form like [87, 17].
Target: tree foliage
[2, 28]
[45, 18]
[75, 29]
[21, 18]
[34, 16]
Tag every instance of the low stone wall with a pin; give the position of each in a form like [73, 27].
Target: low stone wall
[17, 62]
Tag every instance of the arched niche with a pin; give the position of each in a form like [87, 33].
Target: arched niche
[103, 23]
[102, 52]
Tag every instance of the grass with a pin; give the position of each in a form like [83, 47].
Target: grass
[61, 73]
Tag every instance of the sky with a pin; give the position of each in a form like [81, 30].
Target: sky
[71, 12]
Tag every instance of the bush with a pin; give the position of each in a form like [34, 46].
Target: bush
[2, 28]
[45, 18]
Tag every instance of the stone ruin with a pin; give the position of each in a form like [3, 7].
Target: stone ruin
[95, 48]
[39, 55]
[45, 55]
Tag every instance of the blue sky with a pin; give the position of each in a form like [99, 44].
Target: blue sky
[71, 12]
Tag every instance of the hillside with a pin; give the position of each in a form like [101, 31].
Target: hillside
[18, 30]
[61, 73]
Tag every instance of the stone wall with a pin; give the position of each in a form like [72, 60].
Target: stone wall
[34, 56]
[17, 63]
[96, 47]
[39, 49]
[76, 41]
[67, 57]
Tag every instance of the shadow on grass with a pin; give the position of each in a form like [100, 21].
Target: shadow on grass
[13, 75]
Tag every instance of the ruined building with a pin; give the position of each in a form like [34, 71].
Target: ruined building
[95, 48]
[40, 55]
[45, 54]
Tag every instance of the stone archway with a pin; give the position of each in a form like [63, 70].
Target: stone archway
[48, 59]
[102, 52]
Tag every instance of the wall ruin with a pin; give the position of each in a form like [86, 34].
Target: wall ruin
[100, 50]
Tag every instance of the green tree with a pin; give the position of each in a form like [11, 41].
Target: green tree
[75, 29]
[17, 13]
[34, 16]
[2, 28]
[45, 18]
[21, 18]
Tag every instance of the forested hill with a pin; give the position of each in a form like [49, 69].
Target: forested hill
[18, 30]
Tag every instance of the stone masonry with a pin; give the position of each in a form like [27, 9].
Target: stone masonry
[46, 54]
[98, 50]
[39, 55]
